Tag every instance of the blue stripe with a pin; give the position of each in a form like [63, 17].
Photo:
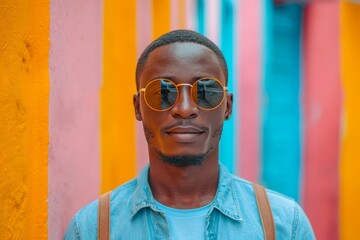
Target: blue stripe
[281, 139]
[201, 16]
[227, 143]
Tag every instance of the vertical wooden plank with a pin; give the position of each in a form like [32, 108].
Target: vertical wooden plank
[117, 113]
[75, 70]
[249, 72]
[24, 93]
[350, 164]
[322, 114]
[281, 107]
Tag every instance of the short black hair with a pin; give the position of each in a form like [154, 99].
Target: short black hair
[181, 35]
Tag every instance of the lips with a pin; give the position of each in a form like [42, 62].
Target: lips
[184, 130]
[184, 134]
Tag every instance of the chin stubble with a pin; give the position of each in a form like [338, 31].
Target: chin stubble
[183, 160]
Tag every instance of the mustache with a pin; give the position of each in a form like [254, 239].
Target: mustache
[184, 124]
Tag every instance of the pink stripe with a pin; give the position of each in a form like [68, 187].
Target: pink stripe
[322, 109]
[212, 15]
[143, 24]
[174, 14]
[144, 33]
[75, 80]
[190, 14]
[249, 73]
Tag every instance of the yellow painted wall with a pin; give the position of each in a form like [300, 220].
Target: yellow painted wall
[24, 92]
[117, 114]
[350, 162]
[161, 17]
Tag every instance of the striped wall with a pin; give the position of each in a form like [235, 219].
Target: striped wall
[349, 165]
[74, 110]
[280, 101]
[249, 70]
[117, 115]
[322, 111]
[67, 80]
[24, 116]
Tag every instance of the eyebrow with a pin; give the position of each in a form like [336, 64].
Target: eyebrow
[175, 79]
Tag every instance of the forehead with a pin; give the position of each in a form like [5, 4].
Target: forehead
[182, 62]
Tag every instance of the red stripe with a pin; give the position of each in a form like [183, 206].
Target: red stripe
[322, 111]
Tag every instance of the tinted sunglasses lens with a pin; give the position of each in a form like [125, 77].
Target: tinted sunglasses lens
[161, 94]
[207, 93]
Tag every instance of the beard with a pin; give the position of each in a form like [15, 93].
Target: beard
[184, 160]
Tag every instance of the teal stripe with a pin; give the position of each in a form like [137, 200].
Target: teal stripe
[281, 139]
[227, 143]
[201, 16]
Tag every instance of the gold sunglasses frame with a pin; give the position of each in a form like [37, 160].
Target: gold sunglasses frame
[225, 88]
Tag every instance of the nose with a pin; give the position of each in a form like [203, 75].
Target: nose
[185, 107]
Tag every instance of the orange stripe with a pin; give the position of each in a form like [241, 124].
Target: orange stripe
[24, 94]
[117, 114]
[350, 164]
[182, 23]
[161, 17]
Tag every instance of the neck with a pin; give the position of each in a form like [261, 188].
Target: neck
[184, 187]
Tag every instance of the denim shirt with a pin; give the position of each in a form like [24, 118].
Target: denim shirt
[233, 214]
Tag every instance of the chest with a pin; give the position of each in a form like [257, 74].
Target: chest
[155, 225]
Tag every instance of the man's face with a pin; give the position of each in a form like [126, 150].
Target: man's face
[184, 130]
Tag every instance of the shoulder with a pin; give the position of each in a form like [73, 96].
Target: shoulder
[84, 223]
[281, 205]
[289, 217]
[126, 189]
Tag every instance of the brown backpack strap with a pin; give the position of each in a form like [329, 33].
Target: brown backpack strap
[104, 217]
[265, 212]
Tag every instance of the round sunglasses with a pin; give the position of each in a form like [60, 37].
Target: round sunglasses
[161, 94]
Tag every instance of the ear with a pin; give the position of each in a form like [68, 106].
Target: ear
[229, 103]
[136, 102]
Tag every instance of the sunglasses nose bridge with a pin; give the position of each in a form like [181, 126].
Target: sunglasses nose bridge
[187, 90]
[184, 107]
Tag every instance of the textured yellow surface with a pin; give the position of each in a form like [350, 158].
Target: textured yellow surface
[161, 17]
[117, 113]
[24, 92]
[350, 162]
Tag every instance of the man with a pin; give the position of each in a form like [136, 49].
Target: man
[185, 193]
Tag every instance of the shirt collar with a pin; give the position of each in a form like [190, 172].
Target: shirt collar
[225, 199]
[142, 196]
